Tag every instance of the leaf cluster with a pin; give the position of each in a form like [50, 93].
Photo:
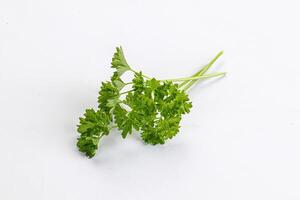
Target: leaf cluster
[152, 107]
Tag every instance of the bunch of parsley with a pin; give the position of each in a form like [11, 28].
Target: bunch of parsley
[152, 107]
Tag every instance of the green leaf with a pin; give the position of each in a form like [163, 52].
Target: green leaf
[117, 81]
[107, 93]
[122, 120]
[112, 102]
[156, 109]
[92, 127]
[138, 82]
[119, 62]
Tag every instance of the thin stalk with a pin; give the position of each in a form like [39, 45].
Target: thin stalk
[202, 71]
[195, 77]
[138, 72]
[126, 92]
[114, 126]
[196, 74]
[101, 136]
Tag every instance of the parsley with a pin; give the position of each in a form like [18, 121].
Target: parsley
[152, 107]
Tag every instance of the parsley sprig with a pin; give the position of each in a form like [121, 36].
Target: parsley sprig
[152, 107]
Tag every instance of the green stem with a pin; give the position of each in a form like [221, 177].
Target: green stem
[126, 92]
[114, 126]
[196, 77]
[196, 74]
[202, 71]
[138, 72]
[101, 136]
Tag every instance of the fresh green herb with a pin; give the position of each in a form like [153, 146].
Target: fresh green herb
[152, 107]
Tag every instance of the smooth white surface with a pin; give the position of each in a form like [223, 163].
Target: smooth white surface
[241, 140]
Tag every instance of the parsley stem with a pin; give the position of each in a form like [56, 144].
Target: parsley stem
[114, 126]
[138, 72]
[201, 72]
[126, 92]
[101, 136]
[196, 77]
[196, 74]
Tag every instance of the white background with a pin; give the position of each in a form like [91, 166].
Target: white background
[241, 140]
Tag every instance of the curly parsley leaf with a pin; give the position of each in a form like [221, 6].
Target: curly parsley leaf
[107, 93]
[92, 127]
[158, 107]
[119, 62]
[123, 120]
